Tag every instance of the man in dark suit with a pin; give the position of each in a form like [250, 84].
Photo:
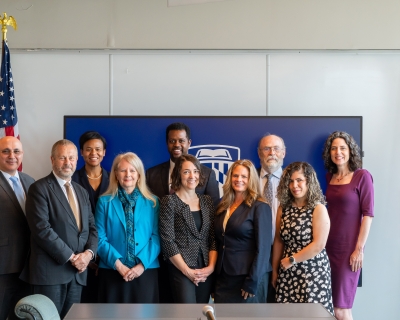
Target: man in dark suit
[63, 233]
[271, 151]
[158, 179]
[14, 230]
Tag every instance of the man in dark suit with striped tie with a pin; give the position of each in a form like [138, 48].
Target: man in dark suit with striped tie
[14, 230]
[63, 233]
[271, 151]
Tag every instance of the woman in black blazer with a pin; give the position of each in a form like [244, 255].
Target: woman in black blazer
[95, 180]
[187, 234]
[243, 228]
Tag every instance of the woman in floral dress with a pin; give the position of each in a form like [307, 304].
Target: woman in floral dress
[301, 271]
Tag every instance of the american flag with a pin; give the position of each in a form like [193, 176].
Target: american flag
[8, 111]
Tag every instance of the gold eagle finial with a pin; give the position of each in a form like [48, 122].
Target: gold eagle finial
[7, 21]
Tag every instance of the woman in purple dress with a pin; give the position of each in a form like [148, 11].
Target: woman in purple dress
[350, 197]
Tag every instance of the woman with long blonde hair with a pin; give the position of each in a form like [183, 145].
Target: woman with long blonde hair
[243, 228]
[129, 243]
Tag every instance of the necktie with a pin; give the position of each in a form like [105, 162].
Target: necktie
[73, 204]
[268, 194]
[18, 192]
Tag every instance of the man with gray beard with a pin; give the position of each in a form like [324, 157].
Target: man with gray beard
[271, 151]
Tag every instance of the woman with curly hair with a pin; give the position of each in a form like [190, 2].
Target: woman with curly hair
[301, 272]
[243, 228]
[350, 196]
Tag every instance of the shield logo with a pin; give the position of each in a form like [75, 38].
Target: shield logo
[217, 157]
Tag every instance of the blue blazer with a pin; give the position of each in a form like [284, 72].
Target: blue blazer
[111, 226]
[244, 247]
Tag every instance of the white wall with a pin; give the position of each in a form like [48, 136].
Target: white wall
[230, 24]
[51, 85]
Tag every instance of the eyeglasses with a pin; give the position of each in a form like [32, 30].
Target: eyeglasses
[269, 149]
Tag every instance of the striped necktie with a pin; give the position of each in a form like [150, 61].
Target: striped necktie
[19, 193]
[268, 194]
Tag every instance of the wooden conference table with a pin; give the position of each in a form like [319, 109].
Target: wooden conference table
[271, 311]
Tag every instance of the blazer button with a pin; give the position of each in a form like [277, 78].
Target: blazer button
[223, 247]
[137, 244]
[223, 234]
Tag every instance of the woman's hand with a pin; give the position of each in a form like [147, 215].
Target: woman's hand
[285, 263]
[274, 278]
[356, 260]
[246, 295]
[202, 274]
[134, 272]
[121, 268]
[191, 275]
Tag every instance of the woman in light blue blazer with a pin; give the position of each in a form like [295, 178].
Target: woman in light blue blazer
[129, 243]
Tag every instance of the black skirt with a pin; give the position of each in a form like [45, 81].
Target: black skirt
[114, 289]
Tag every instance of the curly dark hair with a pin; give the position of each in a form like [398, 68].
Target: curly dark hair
[177, 126]
[314, 192]
[176, 181]
[355, 161]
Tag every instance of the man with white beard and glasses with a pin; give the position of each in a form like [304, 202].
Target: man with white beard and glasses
[271, 151]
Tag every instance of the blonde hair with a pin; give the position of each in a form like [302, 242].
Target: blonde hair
[253, 189]
[135, 161]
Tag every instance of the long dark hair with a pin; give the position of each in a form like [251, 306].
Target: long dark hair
[354, 158]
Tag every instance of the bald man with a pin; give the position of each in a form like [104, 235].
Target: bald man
[14, 230]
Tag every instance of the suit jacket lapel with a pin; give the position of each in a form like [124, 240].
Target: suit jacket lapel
[187, 216]
[10, 192]
[58, 192]
[119, 209]
[165, 177]
[104, 181]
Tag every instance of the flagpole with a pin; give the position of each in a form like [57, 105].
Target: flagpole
[7, 21]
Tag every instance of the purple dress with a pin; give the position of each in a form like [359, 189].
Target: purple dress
[347, 204]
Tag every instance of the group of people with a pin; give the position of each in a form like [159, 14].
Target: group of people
[165, 236]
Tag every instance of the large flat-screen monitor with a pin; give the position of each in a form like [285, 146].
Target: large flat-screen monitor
[216, 141]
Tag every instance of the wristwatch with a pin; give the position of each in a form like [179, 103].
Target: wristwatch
[292, 260]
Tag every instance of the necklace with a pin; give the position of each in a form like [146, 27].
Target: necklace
[340, 179]
[96, 177]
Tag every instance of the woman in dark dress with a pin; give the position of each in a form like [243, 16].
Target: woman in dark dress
[243, 228]
[95, 180]
[350, 196]
[187, 234]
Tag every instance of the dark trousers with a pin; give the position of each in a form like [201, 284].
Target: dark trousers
[12, 289]
[228, 289]
[63, 295]
[91, 290]
[114, 289]
[185, 291]
[164, 286]
[271, 290]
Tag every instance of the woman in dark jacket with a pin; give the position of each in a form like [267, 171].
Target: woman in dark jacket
[187, 234]
[95, 180]
[243, 228]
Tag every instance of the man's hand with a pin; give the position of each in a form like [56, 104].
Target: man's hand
[81, 260]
